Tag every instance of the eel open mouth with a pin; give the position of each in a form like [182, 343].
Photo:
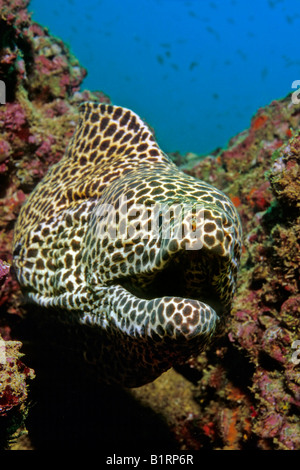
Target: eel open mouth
[187, 275]
[179, 300]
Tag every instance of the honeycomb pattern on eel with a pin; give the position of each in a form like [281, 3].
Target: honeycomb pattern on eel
[148, 298]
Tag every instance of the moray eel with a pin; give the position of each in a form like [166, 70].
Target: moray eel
[147, 298]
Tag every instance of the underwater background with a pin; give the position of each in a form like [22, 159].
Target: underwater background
[203, 75]
[195, 70]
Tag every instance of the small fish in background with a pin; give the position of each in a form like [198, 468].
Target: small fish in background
[291, 19]
[264, 73]
[273, 3]
[166, 45]
[241, 54]
[215, 96]
[160, 59]
[168, 54]
[290, 62]
[193, 65]
[212, 31]
[175, 67]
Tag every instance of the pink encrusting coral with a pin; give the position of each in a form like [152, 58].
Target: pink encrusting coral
[243, 392]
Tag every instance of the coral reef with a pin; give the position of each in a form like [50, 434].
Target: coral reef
[244, 391]
[42, 87]
[14, 377]
[249, 388]
[13, 391]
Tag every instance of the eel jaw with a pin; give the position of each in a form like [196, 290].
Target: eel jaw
[150, 325]
[175, 318]
[147, 336]
[140, 339]
[164, 304]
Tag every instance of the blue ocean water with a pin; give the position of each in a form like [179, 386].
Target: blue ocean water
[195, 70]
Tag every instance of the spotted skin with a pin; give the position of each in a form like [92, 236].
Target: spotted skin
[145, 302]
